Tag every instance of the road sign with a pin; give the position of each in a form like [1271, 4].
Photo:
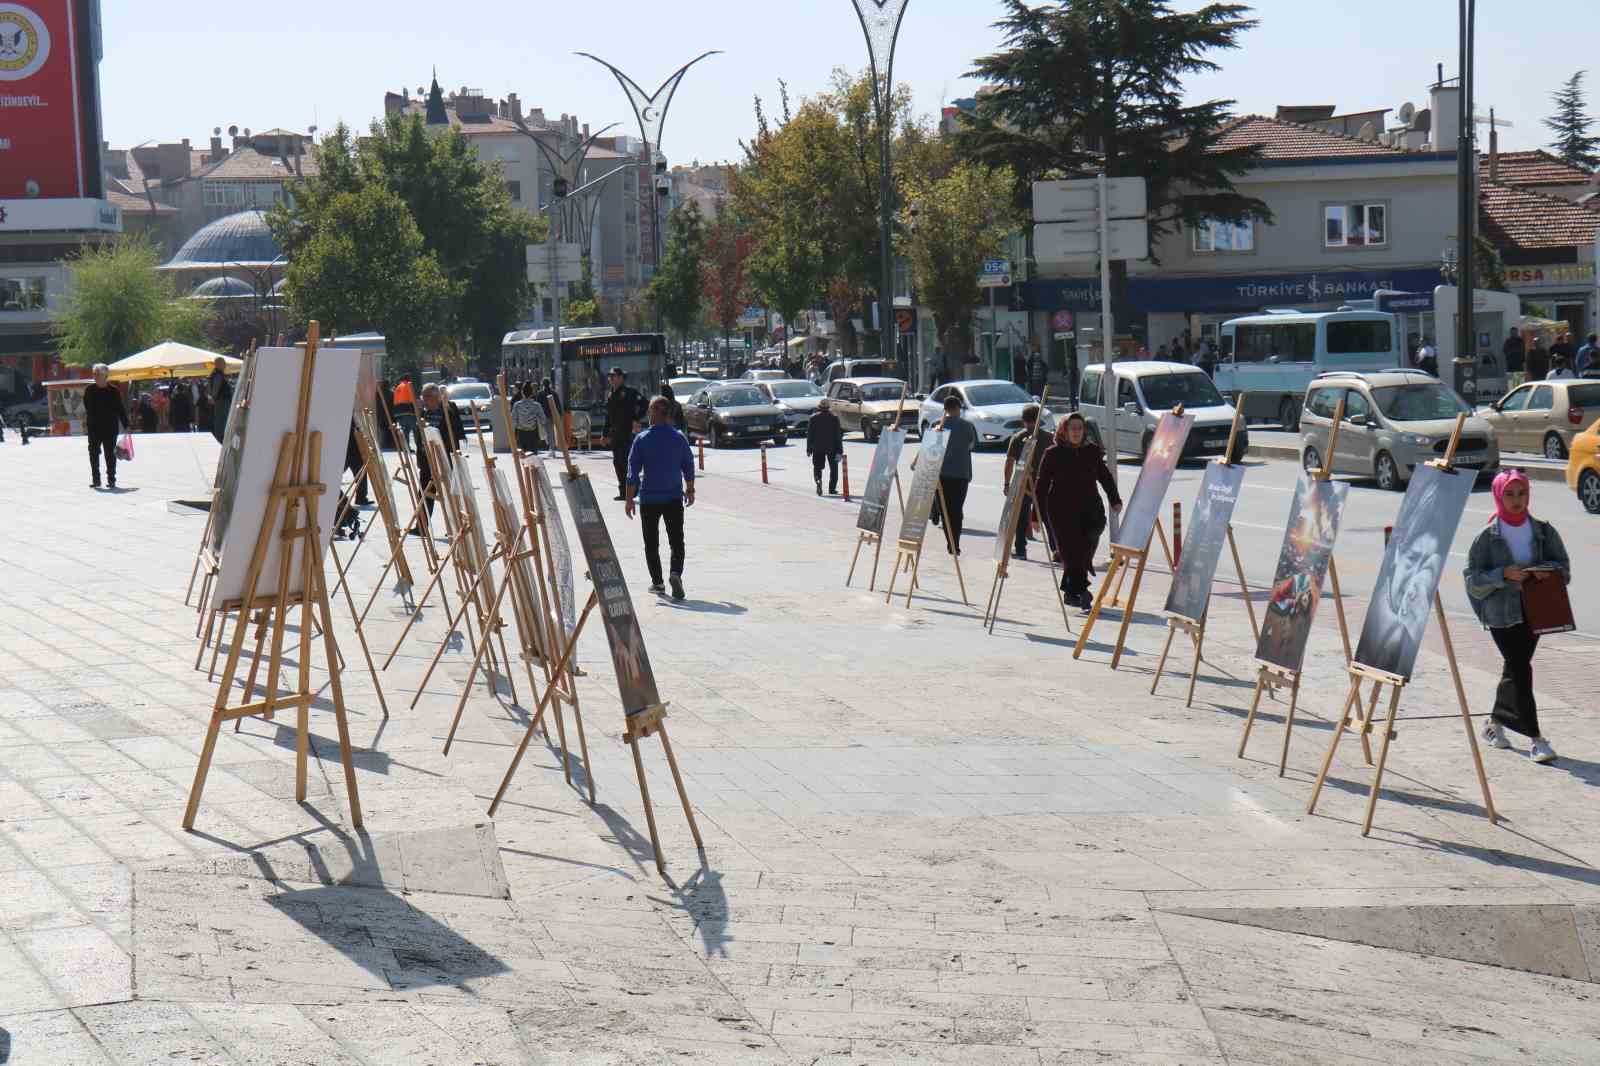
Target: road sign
[996, 266]
[905, 319]
[568, 263]
[1067, 201]
[993, 281]
[1055, 242]
[752, 317]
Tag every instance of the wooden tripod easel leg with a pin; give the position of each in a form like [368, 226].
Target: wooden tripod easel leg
[877, 550]
[1466, 711]
[1244, 586]
[1367, 720]
[422, 602]
[1118, 563]
[1288, 725]
[649, 809]
[861, 538]
[1127, 612]
[1338, 606]
[455, 619]
[362, 637]
[330, 652]
[1199, 637]
[683, 794]
[1161, 666]
[472, 673]
[1255, 704]
[991, 610]
[916, 569]
[1383, 758]
[1351, 699]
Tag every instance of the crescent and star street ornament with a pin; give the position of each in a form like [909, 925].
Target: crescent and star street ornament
[651, 108]
[880, 21]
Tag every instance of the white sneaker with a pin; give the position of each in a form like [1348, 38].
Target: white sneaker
[1495, 736]
[1542, 752]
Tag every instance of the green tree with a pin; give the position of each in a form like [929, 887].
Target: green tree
[119, 304]
[677, 289]
[726, 273]
[961, 219]
[1083, 85]
[458, 205]
[1571, 125]
[366, 266]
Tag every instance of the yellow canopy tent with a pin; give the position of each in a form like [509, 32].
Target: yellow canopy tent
[169, 359]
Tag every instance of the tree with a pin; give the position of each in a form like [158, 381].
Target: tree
[119, 304]
[366, 265]
[1571, 125]
[676, 289]
[725, 275]
[1089, 84]
[961, 219]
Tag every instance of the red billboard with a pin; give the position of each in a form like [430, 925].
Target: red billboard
[49, 120]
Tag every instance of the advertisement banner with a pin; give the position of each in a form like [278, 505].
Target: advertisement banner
[49, 126]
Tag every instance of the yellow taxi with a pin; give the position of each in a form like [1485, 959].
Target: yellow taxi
[1583, 468]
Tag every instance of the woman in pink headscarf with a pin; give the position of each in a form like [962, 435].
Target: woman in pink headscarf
[1513, 549]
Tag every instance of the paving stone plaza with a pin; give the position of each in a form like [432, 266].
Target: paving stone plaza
[923, 843]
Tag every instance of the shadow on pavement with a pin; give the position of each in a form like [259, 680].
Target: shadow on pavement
[703, 898]
[704, 606]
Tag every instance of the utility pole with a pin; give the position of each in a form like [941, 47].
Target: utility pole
[880, 22]
[1467, 205]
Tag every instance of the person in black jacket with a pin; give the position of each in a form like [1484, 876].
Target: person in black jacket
[103, 416]
[825, 444]
[182, 410]
[624, 412]
[1068, 490]
[437, 414]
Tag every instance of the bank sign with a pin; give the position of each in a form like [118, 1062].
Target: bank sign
[49, 121]
[1230, 292]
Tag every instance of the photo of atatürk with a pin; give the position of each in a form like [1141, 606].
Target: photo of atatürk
[1138, 520]
[1397, 615]
[1302, 567]
[924, 486]
[880, 481]
[1202, 546]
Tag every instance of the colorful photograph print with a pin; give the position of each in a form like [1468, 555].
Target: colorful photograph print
[1203, 541]
[1302, 567]
[1138, 522]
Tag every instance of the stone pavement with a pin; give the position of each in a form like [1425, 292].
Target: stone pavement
[923, 843]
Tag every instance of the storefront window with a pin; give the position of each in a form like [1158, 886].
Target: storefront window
[1355, 225]
[22, 294]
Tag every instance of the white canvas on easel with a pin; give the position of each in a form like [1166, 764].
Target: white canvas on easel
[274, 394]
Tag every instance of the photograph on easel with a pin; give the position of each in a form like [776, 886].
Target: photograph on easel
[1302, 567]
[924, 486]
[1011, 510]
[560, 549]
[1402, 599]
[1202, 547]
[636, 681]
[880, 481]
[1138, 521]
[228, 463]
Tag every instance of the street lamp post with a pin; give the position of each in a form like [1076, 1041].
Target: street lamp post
[880, 23]
[650, 110]
[1467, 203]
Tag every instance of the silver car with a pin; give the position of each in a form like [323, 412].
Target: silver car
[798, 399]
[1394, 421]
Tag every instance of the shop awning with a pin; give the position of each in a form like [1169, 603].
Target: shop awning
[797, 342]
[169, 359]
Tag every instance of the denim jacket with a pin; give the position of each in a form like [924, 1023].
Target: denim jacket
[1496, 601]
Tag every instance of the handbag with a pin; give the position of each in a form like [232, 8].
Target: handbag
[125, 447]
[1546, 607]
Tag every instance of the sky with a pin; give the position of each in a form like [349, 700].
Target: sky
[179, 68]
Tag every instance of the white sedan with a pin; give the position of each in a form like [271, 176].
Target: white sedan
[799, 400]
[994, 408]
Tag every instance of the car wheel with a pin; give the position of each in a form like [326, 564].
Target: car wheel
[1589, 491]
[1311, 460]
[871, 433]
[923, 432]
[1289, 415]
[1554, 447]
[1387, 472]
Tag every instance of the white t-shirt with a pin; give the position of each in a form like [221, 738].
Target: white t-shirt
[1520, 540]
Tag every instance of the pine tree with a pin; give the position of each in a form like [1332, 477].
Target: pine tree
[1571, 125]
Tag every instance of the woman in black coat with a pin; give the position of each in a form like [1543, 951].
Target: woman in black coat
[1070, 476]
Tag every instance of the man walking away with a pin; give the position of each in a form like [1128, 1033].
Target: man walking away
[1538, 359]
[404, 406]
[955, 476]
[446, 418]
[1015, 449]
[624, 412]
[1515, 354]
[525, 419]
[103, 415]
[660, 473]
[1428, 357]
[548, 399]
[825, 444]
[1038, 371]
[1588, 356]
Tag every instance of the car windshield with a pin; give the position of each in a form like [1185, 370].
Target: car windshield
[995, 395]
[470, 392]
[1163, 392]
[737, 398]
[789, 390]
[1418, 403]
[888, 390]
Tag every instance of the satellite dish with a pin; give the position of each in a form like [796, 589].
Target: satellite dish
[233, 131]
[1407, 112]
[1368, 132]
[216, 131]
[247, 131]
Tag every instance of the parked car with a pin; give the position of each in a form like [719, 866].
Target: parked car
[993, 406]
[798, 399]
[869, 404]
[31, 413]
[469, 396]
[1544, 416]
[709, 368]
[1583, 468]
[1393, 421]
[1146, 390]
[764, 375]
[685, 387]
[735, 413]
[854, 368]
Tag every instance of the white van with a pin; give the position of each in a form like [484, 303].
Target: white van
[1148, 390]
[1266, 361]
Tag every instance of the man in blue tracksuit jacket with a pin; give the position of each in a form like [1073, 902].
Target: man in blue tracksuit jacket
[661, 479]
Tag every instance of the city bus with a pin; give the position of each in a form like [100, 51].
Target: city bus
[1266, 361]
[587, 354]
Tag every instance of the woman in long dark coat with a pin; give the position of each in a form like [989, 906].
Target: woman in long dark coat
[1068, 486]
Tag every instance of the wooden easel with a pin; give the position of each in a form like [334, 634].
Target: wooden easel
[1122, 557]
[1195, 628]
[291, 519]
[1360, 672]
[865, 537]
[908, 554]
[1270, 676]
[651, 721]
[1008, 534]
[203, 551]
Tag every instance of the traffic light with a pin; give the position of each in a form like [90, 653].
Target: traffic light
[749, 342]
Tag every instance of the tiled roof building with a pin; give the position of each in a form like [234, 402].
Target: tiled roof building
[1284, 141]
[1537, 169]
[1517, 220]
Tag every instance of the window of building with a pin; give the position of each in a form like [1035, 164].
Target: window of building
[1213, 236]
[21, 294]
[1355, 225]
[242, 194]
[514, 190]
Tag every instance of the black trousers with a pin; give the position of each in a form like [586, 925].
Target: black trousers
[1023, 520]
[832, 462]
[103, 442]
[354, 463]
[955, 506]
[1514, 706]
[650, 517]
[620, 447]
[528, 440]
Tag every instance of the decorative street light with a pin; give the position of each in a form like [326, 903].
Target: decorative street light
[880, 22]
[650, 109]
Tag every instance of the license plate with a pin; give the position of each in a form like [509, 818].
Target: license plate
[1214, 445]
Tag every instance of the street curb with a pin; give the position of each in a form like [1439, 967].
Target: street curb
[1279, 451]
